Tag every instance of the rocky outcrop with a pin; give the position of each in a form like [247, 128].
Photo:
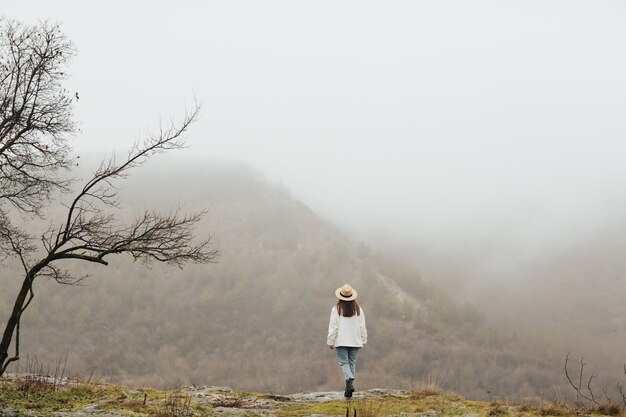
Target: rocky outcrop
[223, 401]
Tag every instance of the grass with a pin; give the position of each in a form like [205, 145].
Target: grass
[425, 391]
[41, 399]
[175, 405]
[497, 409]
[151, 402]
[46, 398]
[609, 409]
[297, 410]
[446, 404]
[364, 407]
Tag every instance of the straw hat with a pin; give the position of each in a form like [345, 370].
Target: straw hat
[346, 293]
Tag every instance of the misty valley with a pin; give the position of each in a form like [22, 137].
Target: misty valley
[211, 209]
[257, 318]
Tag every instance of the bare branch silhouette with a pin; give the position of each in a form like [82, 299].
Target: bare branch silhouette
[578, 388]
[35, 117]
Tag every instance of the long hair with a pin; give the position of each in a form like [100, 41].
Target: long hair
[348, 308]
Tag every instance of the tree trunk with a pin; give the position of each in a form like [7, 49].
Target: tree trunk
[5, 344]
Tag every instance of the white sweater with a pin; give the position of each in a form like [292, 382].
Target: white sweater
[346, 331]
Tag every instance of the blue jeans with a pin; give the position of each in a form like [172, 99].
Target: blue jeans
[347, 360]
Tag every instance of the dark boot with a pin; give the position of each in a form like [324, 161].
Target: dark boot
[349, 388]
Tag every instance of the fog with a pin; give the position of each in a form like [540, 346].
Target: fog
[465, 123]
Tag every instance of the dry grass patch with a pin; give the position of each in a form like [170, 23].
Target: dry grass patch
[609, 409]
[364, 407]
[175, 405]
[425, 391]
[497, 409]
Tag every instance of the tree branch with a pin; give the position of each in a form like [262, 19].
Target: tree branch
[578, 389]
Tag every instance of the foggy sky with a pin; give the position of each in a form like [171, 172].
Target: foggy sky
[429, 120]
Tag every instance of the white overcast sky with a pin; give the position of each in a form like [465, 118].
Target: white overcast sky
[424, 118]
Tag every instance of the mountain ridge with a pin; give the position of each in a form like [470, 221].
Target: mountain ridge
[257, 319]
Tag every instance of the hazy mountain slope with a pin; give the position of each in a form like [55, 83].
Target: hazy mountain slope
[563, 294]
[257, 319]
[572, 298]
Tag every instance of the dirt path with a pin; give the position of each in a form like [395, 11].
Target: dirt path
[398, 292]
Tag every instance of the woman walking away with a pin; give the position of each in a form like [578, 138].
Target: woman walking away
[347, 333]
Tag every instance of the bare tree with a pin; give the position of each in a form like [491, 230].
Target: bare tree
[620, 389]
[35, 114]
[34, 149]
[579, 389]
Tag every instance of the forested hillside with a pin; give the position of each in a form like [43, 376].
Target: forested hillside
[572, 298]
[257, 319]
[566, 295]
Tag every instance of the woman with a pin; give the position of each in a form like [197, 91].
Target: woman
[347, 333]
